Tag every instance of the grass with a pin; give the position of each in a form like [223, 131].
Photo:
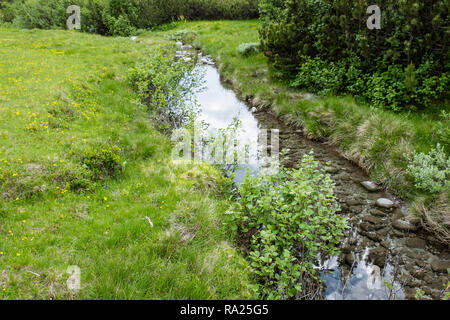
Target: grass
[377, 140]
[64, 98]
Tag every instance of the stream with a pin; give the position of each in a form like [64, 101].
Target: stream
[384, 255]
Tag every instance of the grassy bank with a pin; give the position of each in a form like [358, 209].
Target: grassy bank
[81, 169]
[377, 140]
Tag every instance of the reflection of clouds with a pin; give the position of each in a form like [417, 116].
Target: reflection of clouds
[220, 107]
[366, 281]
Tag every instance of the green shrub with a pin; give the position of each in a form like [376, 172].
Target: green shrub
[123, 18]
[166, 85]
[402, 66]
[102, 159]
[292, 219]
[247, 49]
[431, 171]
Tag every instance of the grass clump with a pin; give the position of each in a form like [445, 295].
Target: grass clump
[247, 49]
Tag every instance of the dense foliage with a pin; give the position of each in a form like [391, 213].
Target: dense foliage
[117, 17]
[431, 171]
[166, 84]
[403, 66]
[292, 219]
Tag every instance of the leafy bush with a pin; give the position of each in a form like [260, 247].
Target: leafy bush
[397, 88]
[405, 62]
[247, 49]
[102, 159]
[292, 219]
[431, 172]
[166, 85]
[122, 18]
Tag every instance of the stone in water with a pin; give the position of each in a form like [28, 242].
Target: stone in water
[385, 203]
[370, 186]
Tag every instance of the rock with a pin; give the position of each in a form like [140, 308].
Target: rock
[370, 186]
[400, 213]
[385, 244]
[372, 219]
[404, 225]
[353, 202]
[347, 249]
[187, 47]
[368, 227]
[355, 209]
[416, 243]
[378, 213]
[373, 236]
[349, 259]
[385, 203]
[378, 256]
[438, 265]
[331, 170]
[254, 110]
[181, 53]
[179, 43]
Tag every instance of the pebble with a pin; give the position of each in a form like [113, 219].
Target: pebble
[370, 186]
[438, 265]
[403, 225]
[385, 203]
[416, 243]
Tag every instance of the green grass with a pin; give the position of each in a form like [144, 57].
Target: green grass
[379, 141]
[62, 93]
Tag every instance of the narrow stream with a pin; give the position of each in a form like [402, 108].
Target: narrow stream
[383, 255]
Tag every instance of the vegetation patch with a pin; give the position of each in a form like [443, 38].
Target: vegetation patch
[292, 221]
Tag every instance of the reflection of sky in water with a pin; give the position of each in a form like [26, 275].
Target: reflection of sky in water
[366, 282]
[220, 106]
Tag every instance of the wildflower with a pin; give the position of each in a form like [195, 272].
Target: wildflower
[18, 254]
[105, 198]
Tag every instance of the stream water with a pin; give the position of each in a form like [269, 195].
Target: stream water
[383, 255]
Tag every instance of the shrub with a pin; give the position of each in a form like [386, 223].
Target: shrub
[102, 159]
[431, 171]
[166, 85]
[292, 219]
[247, 49]
[122, 18]
[405, 63]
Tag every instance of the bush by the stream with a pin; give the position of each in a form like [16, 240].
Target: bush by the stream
[431, 171]
[292, 220]
[122, 18]
[166, 84]
[403, 66]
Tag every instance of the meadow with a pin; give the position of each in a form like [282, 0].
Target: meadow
[86, 180]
